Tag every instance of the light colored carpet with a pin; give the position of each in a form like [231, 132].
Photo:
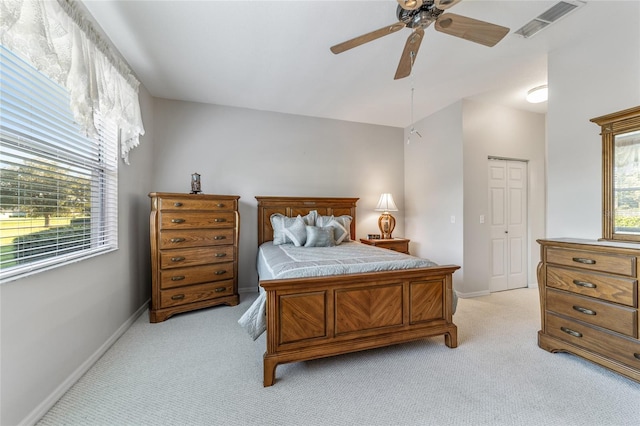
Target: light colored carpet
[200, 368]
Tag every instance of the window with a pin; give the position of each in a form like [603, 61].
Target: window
[58, 188]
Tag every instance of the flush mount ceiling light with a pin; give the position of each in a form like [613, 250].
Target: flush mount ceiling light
[538, 94]
[548, 17]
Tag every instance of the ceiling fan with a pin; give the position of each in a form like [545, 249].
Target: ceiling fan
[418, 15]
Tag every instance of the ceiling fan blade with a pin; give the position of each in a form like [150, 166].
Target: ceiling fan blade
[365, 38]
[471, 29]
[445, 4]
[409, 54]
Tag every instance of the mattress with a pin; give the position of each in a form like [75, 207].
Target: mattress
[287, 261]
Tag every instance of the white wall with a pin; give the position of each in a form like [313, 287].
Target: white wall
[446, 176]
[491, 130]
[55, 324]
[434, 189]
[248, 153]
[601, 75]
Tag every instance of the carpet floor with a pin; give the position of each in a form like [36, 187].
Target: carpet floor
[200, 368]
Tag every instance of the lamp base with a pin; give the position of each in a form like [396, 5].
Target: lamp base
[386, 223]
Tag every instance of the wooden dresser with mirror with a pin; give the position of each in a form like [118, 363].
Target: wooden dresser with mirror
[589, 294]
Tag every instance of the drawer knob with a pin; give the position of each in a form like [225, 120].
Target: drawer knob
[177, 204]
[177, 297]
[571, 332]
[177, 220]
[220, 205]
[220, 289]
[584, 260]
[219, 237]
[584, 310]
[584, 284]
[177, 240]
[177, 259]
[219, 219]
[221, 254]
[637, 355]
[177, 278]
[222, 272]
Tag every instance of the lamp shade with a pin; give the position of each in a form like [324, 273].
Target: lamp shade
[386, 204]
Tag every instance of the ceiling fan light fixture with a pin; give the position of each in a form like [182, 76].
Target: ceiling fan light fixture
[538, 94]
[410, 4]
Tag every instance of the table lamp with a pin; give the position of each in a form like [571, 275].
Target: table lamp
[386, 222]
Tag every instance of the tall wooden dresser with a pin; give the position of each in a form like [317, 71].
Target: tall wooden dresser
[194, 252]
[589, 301]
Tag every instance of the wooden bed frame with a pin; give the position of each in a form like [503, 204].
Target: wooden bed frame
[311, 318]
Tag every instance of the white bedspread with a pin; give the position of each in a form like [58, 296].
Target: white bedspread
[288, 261]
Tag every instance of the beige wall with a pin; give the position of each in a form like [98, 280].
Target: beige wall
[446, 176]
[248, 153]
[55, 324]
[491, 130]
[434, 189]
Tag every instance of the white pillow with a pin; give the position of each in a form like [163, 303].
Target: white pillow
[280, 222]
[320, 237]
[341, 224]
[297, 232]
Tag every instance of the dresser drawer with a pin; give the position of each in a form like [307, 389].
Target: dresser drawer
[191, 220]
[606, 287]
[611, 263]
[196, 238]
[193, 203]
[613, 317]
[621, 349]
[195, 293]
[179, 277]
[195, 256]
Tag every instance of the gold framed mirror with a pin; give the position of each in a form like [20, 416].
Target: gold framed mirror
[620, 174]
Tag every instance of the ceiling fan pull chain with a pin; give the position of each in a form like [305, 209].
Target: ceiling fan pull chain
[412, 130]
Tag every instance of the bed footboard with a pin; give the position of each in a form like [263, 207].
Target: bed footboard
[318, 317]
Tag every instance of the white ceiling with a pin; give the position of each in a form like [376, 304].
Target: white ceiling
[274, 55]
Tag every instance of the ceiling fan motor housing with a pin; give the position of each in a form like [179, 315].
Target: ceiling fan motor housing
[419, 18]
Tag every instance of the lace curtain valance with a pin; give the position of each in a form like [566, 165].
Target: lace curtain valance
[55, 38]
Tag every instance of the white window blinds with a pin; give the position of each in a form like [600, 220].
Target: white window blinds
[58, 188]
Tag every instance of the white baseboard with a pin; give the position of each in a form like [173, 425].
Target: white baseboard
[51, 400]
[472, 294]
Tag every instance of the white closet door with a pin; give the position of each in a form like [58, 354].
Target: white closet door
[508, 222]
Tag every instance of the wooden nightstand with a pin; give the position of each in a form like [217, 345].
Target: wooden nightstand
[395, 244]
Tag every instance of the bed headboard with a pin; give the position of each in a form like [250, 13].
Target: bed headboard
[294, 206]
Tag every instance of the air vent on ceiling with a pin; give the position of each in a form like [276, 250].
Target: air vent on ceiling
[547, 18]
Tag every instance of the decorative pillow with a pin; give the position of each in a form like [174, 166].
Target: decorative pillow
[280, 222]
[297, 232]
[320, 237]
[323, 220]
[310, 218]
[342, 225]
